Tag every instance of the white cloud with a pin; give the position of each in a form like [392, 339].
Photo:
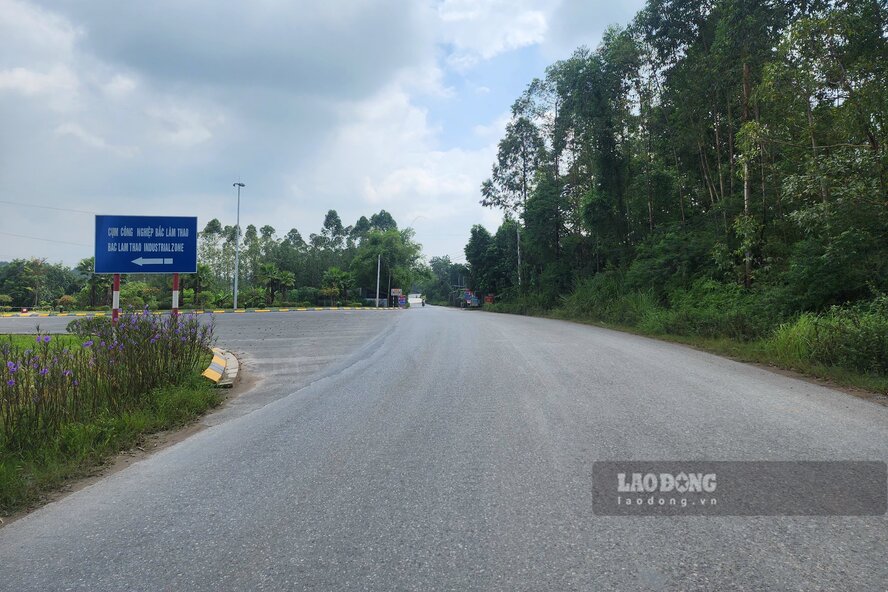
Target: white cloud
[183, 127]
[119, 86]
[482, 29]
[33, 31]
[92, 140]
[29, 82]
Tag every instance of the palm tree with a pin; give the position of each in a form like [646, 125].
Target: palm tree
[286, 279]
[268, 276]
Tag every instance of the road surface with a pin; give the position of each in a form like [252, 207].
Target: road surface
[443, 449]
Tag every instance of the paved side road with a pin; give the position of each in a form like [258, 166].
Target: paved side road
[456, 454]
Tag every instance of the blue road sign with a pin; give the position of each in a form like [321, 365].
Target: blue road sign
[146, 244]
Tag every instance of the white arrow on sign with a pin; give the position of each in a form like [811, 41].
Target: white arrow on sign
[142, 261]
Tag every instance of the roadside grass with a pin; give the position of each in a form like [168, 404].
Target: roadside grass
[788, 347]
[763, 351]
[26, 340]
[67, 402]
[80, 447]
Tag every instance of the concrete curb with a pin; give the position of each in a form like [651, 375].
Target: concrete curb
[87, 315]
[232, 367]
[217, 366]
[223, 369]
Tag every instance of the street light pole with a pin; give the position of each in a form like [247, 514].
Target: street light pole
[237, 243]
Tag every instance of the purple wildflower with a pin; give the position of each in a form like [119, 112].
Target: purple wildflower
[67, 373]
[88, 343]
[44, 371]
[10, 382]
[46, 338]
[76, 383]
[11, 367]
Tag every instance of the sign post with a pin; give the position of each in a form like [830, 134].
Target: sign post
[115, 299]
[175, 308]
[146, 244]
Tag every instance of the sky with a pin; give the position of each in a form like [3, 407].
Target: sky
[157, 108]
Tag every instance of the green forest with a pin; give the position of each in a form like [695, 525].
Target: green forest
[715, 169]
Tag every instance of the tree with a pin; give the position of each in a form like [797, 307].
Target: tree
[97, 286]
[383, 221]
[337, 283]
[268, 276]
[398, 253]
[478, 256]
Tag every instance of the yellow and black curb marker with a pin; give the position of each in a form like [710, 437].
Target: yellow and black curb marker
[185, 312]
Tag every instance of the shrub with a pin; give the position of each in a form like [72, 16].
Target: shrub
[604, 298]
[66, 301]
[205, 299]
[132, 301]
[715, 309]
[853, 337]
[305, 294]
[251, 298]
[46, 385]
[223, 299]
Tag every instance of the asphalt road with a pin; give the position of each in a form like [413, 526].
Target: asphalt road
[452, 450]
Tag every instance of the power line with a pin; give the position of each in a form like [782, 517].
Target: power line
[49, 240]
[26, 205]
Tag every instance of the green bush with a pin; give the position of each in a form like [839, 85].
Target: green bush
[205, 300]
[251, 298]
[604, 298]
[66, 302]
[715, 309]
[852, 337]
[706, 309]
[223, 300]
[305, 294]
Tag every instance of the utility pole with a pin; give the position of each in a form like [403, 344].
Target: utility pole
[237, 243]
[378, 264]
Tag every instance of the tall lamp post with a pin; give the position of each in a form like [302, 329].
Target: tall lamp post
[237, 243]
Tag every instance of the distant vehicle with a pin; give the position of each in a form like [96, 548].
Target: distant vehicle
[414, 299]
[468, 299]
